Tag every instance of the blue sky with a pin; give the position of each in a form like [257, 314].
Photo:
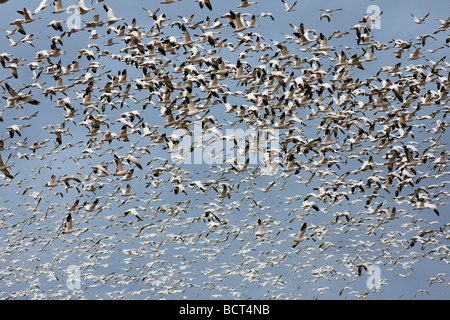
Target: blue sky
[177, 255]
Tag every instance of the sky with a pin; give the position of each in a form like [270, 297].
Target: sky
[173, 253]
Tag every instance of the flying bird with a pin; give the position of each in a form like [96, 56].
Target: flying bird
[260, 232]
[205, 3]
[134, 212]
[246, 3]
[58, 7]
[300, 236]
[82, 9]
[89, 207]
[362, 266]
[419, 20]
[287, 7]
[68, 226]
[4, 167]
[111, 18]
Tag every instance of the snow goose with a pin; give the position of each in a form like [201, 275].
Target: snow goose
[323, 43]
[4, 168]
[131, 159]
[212, 218]
[362, 266]
[26, 13]
[419, 20]
[300, 236]
[120, 171]
[134, 212]
[421, 205]
[89, 207]
[111, 18]
[260, 232]
[127, 191]
[245, 4]
[82, 9]
[68, 227]
[287, 7]
[224, 192]
[53, 183]
[58, 7]
[204, 3]
[128, 175]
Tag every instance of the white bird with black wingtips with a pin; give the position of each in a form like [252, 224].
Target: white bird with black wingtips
[68, 227]
[134, 212]
[89, 207]
[287, 7]
[300, 236]
[260, 232]
[362, 266]
[4, 168]
[111, 18]
[120, 171]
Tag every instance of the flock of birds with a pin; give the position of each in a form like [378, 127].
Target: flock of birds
[356, 176]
